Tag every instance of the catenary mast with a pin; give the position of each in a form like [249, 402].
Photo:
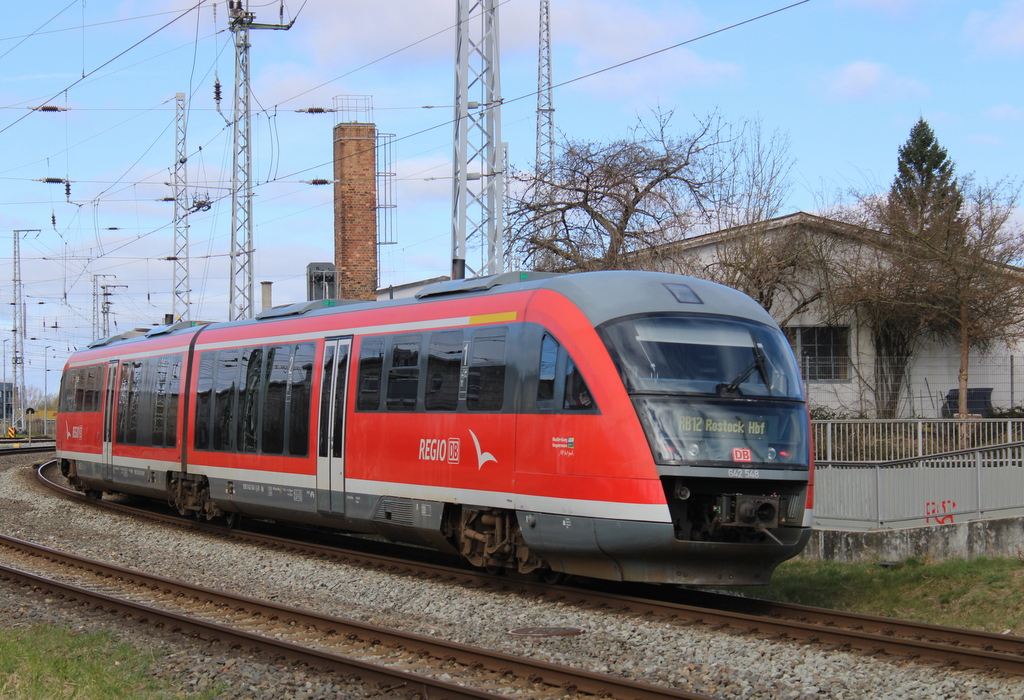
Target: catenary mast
[478, 164]
[545, 103]
[179, 257]
[243, 287]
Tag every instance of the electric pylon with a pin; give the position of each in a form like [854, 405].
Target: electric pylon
[180, 304]
[243, 286]
[478, 164]
[545, 103]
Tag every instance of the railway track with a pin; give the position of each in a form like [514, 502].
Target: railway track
[779, 621]
[22, 447]
[400, 661]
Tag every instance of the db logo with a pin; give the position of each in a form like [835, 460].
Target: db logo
[742, 454]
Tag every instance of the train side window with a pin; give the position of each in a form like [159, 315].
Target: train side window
[161, 385]
[80, 389]
[371, 363]
[225, 385]
[300, 393]
[404, 375]
[68, 385]
[444, 364]
[339, 404]
[173, 392]
[546, 377]
[124, 383]
[91, 398]
[486, 377]
[204, 401]
[275, 399]
[129, 397]
[250, 384]
[326, 385]
[577, 394]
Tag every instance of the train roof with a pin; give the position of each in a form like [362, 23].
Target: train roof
[601, 296]
[606, 295]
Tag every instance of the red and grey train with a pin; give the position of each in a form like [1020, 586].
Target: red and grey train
[619, 425]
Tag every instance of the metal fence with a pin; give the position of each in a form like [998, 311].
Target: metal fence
[850, 387]
[984, 482]
[887, 440]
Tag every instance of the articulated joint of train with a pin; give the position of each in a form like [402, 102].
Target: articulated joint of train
[189, 494]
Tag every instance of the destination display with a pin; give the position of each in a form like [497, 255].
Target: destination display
[694, 431]
[757, 428]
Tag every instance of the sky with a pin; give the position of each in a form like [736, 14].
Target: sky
[843, 81]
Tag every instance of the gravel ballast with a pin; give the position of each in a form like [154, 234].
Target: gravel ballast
[693, 658]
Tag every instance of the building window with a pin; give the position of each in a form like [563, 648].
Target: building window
[822, 351]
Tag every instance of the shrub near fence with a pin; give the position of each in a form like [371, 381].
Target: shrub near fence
[890, 440]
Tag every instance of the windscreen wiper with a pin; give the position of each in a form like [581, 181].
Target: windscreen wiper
[760, 363]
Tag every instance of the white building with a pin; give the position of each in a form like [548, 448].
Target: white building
[837, 356]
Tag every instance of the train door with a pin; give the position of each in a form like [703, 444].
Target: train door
[330, 462]
[107, 467]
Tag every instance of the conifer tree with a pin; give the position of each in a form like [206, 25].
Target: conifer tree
[925, 199]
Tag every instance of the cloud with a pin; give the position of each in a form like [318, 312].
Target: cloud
[1005, 114]
[356, 32]
[999, 32]
[594, 36]
[868, 81]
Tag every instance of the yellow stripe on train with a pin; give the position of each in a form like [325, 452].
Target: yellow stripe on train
[505, 317]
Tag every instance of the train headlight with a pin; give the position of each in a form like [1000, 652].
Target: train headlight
[772, 454]
[693, 450]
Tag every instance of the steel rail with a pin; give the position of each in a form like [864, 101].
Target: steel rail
[530, 671]
[849, 631]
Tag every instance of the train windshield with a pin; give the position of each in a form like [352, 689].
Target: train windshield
[713, 390]
[700, 355]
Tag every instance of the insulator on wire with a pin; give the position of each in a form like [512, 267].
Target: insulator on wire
[67, 189]
[53, 219]
[217, 92]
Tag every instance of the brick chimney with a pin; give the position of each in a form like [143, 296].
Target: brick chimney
[355, 210]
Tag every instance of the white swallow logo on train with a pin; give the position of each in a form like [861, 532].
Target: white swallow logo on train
[482, 458]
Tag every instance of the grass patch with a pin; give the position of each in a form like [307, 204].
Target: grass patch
[47, 663]
[982, 594]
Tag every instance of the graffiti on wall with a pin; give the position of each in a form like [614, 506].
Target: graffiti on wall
[933, 509]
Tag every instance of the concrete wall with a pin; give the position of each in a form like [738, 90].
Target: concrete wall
[978, 538]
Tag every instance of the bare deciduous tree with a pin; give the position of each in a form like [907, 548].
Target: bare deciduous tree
[937, 261]
[599, 203]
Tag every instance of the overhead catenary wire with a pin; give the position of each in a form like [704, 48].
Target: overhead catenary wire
[273, 174]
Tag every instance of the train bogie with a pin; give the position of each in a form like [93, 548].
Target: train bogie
[633, 426]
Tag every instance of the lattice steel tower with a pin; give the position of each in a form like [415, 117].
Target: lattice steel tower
[478, 164]
[180, 304]
[18, 332]
[545, 104]
[243, 287]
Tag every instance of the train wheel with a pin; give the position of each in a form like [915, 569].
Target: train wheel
[231, 519]
[551, 578]
[93, 494]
